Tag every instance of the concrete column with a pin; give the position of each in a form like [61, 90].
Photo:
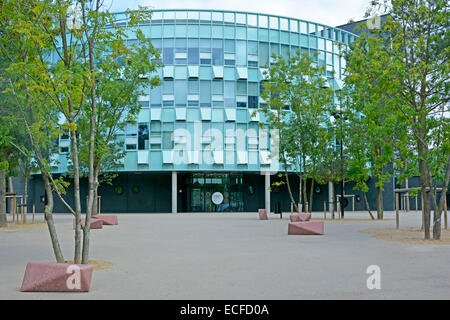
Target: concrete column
[267, 191]
[174, 192]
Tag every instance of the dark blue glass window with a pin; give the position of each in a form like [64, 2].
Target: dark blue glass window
[193, 55]
[252, 101]
[168, 55]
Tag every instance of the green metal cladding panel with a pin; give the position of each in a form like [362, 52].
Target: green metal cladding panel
[213, 61]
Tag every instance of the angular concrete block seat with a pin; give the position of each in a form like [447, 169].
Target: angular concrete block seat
[262, 214]
[300, 217]
[306, 228]
[108, 219]
[57, 277]
[95, 223]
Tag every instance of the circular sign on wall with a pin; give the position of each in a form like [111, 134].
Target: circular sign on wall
[217, 198]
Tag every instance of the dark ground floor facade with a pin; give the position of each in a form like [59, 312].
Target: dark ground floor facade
[141, 192]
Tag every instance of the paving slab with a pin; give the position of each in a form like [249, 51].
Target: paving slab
[234, 256]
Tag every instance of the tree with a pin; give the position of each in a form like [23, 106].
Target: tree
[368, 90]
[83, 69]
[414, 41]
[298, 101]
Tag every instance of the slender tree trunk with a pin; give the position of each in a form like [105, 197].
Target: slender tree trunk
[92, 132]
[3, 220]
[379, 203]
[311, 194]
[95, 203]
[25, 197]
[439, 207]
[289, 189]
[48, 214]
[367, 205]
[305, 195]
[77, 198]
[424, 183]
[300, 181]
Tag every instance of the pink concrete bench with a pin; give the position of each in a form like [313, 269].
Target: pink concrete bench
[108, 219]
[57, 277]
[300, 217]
[262, 214]
[95, 223]
[306, 228]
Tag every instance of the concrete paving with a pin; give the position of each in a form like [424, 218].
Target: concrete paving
[234, 256]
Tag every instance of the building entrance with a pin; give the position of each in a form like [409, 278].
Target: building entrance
[201, 187]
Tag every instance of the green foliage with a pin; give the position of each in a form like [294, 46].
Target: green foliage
[298, 106]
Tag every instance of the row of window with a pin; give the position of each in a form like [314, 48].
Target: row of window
[205, 93]
[161, 135]
[231, 45]
[252, 20]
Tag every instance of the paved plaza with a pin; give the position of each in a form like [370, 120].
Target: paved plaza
[234, 256]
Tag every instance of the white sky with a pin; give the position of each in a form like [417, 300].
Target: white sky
[328, 12]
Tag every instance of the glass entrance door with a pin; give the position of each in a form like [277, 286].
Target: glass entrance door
[203, 186]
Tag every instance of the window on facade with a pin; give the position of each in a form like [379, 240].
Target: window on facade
[294, 25]
[168, 55]
[205, 91]
[143, 136]
[274, 49]
[285, 51]
[193, 55]
[240, 18]
[229, 46]
[263, 22]
[273, 22]
[228, 17]
[167, 87]
[251, 20]
[217, 87]
[263, 54]
[65, 135]
[167, 142]
[217, 56]
[229, 94]
[181, 43]
[241, 87]
[193, 86]
[241, 53]
[131, 134]
[180, 89]
[253, 94]
[252, 47]
[155, 127]
[205, 45]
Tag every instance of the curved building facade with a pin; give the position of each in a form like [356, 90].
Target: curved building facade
[197, 134]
